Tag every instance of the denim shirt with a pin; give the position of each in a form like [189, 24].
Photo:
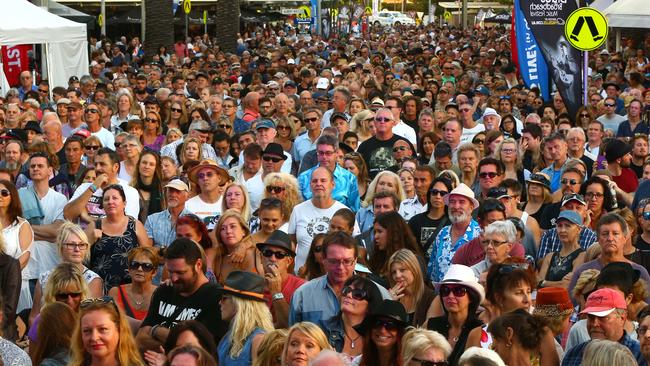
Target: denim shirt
[333, 328]
[313, 302]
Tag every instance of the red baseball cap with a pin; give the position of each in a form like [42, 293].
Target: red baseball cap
[603, 302]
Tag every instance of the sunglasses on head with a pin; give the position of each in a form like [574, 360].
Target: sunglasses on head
[63, 296]
[458, 291]
[356, 293]
[146, 267]
[104, 300]
[268, 253]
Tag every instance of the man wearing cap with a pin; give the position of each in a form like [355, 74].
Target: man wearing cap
[463, 228]
[33, 130]
[570, 183]
[277, 257]
[550, 241]
[613, 233]
[606, 312]
[340, 101]
[619, 157]
[199, 129]
[161, 226]
[190, 296]
[307, 141]
[634, 125]
[211, 179]
[272, 159]
[346, 189]
[265, 133]
[75, 119]
[611, 120]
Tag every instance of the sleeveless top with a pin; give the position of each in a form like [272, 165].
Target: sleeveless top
[108, 255]
[561, 266]
[524, 217]
[245, 358]
[124, 303]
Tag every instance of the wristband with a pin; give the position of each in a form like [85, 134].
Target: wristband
[93, 188]
[278, 296]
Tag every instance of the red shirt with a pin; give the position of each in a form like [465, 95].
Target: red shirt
[627, 181]
[472, 253]
[292, 284]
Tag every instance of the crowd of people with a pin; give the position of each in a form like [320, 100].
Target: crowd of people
[397, 197]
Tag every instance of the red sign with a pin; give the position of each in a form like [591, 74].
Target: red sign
[15, 60]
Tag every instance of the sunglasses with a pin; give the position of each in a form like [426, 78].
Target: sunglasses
[268, 253]
[430, 363]
[458, 291]
[311, 119]
[271, 158]
[478, 142]
[383, 119]
[438, 192]
[571, 182]
[176, 110]
[224, 127]
[274, 189]
[646, 215]
[92, 110]
[5, 193]
[609, 105]
[146, 267]
[509, 268]
[151, 120]
[399, 148]
[77, 246]
[206, 175]
[490, 175]
[389, 325]
[284, 128]
[357, 293]
[63, 296]
[493, 243]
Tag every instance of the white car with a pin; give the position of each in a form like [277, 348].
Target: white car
[390, 18]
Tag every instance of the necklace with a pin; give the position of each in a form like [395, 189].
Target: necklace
[352, 341]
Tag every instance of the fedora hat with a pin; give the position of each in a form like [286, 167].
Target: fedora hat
[245, 285]
[389, 309]
[278, 239]
[459, 274]
[462, 190]
[207, 163]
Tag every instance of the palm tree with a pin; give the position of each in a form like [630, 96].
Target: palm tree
[159, 28]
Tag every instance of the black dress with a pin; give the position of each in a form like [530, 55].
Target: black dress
[108, 256]
[561, 266]
[441, 325]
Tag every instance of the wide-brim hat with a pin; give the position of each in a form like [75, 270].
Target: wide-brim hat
[553, 302]
[278, 239]
[459, 274]
[207, 163]
[245, 285]
[462, 190]
[389, 309]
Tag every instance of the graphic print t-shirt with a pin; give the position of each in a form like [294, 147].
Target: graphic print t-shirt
[209, 213]
[378, 154]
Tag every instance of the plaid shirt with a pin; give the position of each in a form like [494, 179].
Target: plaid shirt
[551, 242]
[573, 357]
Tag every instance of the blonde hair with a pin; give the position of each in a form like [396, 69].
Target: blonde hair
[510, 140]
[310, 330]
[186, 142]
[418, 340]
[271, 347]
[64, 276]
[170, 131]
[289, 122]
[410, 261]
[602, 352]
[246, 211]
[293, 196]
[372, 188]
[127, 352]
[250, 315]
[65, 230]
[585, 283]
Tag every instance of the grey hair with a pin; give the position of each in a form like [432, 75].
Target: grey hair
[328, 355]
[504, 228]
[345, 91]
[579, 131]
[533, 116]
[330, 140]
[86, 80]
[134, 139]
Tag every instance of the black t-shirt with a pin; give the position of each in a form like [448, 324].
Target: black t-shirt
[641, 255]
[423, 227]
[378, 154]
[168, 308]
[638, 170]
[550, 213]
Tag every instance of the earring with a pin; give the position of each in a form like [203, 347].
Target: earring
[508, 344]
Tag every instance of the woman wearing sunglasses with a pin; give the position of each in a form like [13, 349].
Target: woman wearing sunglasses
[284, 187]
[314, 267]
[358, 297]
[92, 144]
[177, 117]
[382, 331]
[286, 132]
[73, 247]
[461, 296]
[103, 336]
[152, 136]
[425, 348]
[134, 298]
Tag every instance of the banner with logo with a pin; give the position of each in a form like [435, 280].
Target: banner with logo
[527, 54]
[15, 60]
[546, 19]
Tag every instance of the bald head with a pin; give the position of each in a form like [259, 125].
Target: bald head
[251, 100]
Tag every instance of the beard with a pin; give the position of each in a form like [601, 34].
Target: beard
[12, 165]
[457, 218]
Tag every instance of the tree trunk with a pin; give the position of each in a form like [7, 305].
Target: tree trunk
[227, 24]
[159, 26]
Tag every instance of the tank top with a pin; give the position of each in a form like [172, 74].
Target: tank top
[561, 266]
[108, 256]
[124, 302]
[524, 217]
[245, 357]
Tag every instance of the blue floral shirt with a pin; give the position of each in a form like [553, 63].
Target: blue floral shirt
[444, 249]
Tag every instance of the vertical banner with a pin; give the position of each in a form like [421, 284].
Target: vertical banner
[527, 54]
[15, 59]
[546, 19]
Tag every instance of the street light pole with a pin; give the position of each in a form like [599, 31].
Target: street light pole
[103, 12]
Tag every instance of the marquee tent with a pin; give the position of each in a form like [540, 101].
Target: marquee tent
[628, 14]
[65, 41]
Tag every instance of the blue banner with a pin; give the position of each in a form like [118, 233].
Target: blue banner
[532, 65]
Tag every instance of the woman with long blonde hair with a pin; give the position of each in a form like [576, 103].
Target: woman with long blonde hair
[270, 349]
[235, 197]
[284, 187]
[305, 340]
[406, 281]
[384, 181]
[101, 319]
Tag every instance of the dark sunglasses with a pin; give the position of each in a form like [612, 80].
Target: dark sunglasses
[271, 158]
[62, 296]
[399, 148]
[646, 215]
[268, 253]
[358, 294]
[488, 175]
[224, 126]
[177, 110]
[274, 189]
[458, 291]
[430, 363]
[92, 147]
[5, 193]
[389, 325]
[92, 110]
[571, 182]
[478, 142]
[509, 268]
[148, 119]
[438, 192]
[146, 267]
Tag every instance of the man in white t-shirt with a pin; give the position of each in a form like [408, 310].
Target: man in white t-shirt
[400, 128]
[212, 180]
[470, 127]
[312, 217]
[250, 174]
[85, 202]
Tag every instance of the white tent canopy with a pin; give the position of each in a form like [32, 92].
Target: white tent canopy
[65, 41]
[628, 14]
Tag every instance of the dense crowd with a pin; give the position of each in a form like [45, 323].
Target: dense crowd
[396, 197]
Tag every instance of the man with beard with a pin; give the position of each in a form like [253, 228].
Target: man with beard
[642, 332]
[190, 297]
[460, 202]
[639, 154]
[13, 155]
[161, 226]
[619, 158]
